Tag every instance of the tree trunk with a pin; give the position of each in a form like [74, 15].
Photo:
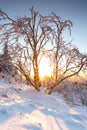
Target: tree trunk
[36, 78]
[56, 70]
[36, 74]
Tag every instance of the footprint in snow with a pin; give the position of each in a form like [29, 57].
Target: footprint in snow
[33, 127]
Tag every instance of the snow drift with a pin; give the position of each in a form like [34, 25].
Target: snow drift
[22, 108]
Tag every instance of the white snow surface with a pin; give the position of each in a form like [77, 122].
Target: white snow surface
[23, 108]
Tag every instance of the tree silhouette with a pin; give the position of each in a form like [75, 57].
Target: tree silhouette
[5, 60]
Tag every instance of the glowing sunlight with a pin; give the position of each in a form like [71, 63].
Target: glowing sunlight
[44, 68]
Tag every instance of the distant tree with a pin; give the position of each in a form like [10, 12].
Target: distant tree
[5, 60]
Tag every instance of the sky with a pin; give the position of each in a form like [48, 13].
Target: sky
[74, 10]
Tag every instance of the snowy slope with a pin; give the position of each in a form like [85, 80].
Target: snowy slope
[26, 109]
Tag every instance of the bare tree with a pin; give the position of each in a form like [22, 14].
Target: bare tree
[33, 34]
[67, 59]
[28, 37]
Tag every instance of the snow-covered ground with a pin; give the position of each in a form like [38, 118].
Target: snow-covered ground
[22, 108]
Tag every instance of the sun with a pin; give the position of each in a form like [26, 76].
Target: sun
[44, 68]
